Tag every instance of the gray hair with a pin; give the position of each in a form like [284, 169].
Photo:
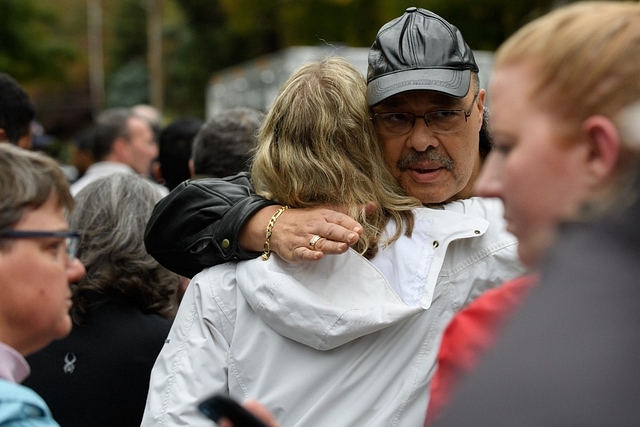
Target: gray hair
[112, 213]
[224, 144]
[28, 180]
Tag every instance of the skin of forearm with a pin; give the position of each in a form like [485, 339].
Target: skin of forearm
[252, 234]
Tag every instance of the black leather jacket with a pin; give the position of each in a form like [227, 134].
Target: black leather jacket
[197, 225]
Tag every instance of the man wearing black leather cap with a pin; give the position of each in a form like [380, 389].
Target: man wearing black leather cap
[426, 104]
[422, 85]
[419, 66]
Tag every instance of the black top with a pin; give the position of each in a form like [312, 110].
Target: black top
[99, 374]
[197, 225]
[570, 357]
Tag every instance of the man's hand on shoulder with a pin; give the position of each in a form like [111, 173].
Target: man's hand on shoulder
[293, 234]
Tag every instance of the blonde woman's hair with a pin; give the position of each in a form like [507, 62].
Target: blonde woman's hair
[587, 58]
[317, 147]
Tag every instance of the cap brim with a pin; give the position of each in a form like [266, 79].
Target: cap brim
[451, 82]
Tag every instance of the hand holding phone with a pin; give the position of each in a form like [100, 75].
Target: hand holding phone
[219, 406]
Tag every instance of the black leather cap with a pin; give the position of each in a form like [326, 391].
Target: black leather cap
[418, 51]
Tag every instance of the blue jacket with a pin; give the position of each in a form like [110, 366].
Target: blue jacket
[22, 407]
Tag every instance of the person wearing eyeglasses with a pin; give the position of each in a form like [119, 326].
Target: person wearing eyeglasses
[427, 106]
[289, 334]
[122, 312]
[37, 265]
[425, 102]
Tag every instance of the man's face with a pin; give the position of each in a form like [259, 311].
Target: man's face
[142, 149]
[540, 175]
[35, 273]
[434, 167]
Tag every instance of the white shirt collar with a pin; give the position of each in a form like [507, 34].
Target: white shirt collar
[13, 366]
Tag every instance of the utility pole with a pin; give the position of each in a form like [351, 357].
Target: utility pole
[154, 60]
[96, 56]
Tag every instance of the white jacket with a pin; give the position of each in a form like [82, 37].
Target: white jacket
[331, 342]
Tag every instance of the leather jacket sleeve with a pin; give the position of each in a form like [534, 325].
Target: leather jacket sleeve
[198, 224]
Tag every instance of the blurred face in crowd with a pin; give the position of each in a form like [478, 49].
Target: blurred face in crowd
[142, 149]
[35, 274]
[537, 166]
[433, 167]
[25, 141]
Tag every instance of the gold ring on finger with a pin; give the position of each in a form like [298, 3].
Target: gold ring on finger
[313, 241]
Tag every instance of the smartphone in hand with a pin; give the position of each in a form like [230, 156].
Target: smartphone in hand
[219, 406]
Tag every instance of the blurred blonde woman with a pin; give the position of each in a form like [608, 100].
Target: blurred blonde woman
[559, 87]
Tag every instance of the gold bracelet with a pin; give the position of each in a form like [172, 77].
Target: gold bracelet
[272, 222]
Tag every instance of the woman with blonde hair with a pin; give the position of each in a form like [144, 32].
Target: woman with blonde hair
[350, 337]
[329, 156]
[559, 87]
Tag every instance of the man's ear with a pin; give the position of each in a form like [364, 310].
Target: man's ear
[482, 94]
[3, 136]
[604, 146]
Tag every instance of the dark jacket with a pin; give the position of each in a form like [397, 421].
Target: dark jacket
[569, 357]
[99, 374]
[197, 225]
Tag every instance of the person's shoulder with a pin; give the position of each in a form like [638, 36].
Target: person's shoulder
[489, 208]
[12, 394]
[218, 281]
[594, 252]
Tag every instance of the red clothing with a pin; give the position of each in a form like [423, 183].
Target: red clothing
[471, 332]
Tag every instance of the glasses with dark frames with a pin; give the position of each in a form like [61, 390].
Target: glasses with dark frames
[72, 238]
[441, 121]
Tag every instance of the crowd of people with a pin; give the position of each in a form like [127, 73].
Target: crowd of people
[374, 250]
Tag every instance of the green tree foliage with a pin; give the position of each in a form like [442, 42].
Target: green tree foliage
[44, 43]
[198, 44]
[125, 26]
[226, 32]
[355, 22]
[128, 85]
[27, 50]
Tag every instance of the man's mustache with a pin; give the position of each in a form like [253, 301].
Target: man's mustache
[430, 155]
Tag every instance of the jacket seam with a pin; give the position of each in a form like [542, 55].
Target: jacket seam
[477, 257]
[174, 367]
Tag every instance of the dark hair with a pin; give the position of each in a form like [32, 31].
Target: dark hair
[486, 137]
[174, 144]
[113, 124]
[103, 135]
[16, 110]
[84, 140]
[224, 145]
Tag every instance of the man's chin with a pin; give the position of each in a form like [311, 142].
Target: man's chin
[427, 196]
[429, 193]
